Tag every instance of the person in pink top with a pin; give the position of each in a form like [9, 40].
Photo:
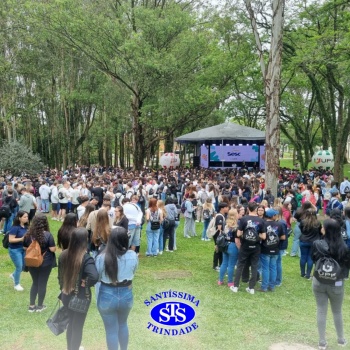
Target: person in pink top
[287, 213]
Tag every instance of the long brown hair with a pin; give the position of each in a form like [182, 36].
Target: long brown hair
[102, 229]
[83, 220]
[38, 227]
[71, 259]
[152, 204]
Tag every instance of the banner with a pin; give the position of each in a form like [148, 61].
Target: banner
[204, 163]
[234, 153]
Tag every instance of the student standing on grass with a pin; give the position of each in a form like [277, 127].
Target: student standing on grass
[332, 245]
[189, 229]
[310, 229]
[39, 231]
[230, 256]
[251, 229]
[220, 221]
[116, 267]
[16, 251]
[76, 268]
[270, 250]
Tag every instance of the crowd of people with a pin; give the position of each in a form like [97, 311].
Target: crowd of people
[104, 210]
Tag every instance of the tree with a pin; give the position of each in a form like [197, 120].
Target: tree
[271, 73]
[319, 49]
[18, 159]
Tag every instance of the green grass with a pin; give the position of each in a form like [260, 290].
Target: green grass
[225, 320]
[288, 163]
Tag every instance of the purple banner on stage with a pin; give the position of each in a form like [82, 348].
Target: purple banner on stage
[262, 157]
[234, 153]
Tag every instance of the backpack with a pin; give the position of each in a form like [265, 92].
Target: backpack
[118, 200]
[294, 203]
[5, 240]
[272, 240]
[250, 234]
[330, 207]
[183, 207]
[222, 242]
[211, 230]
[226, 193]
[5, 211]
[60, 195]
[33, 257]
[154, 218]
[344, 233]
[346, 189]
[206, 214]
[150, 192]
[141, 199]
[327, 196]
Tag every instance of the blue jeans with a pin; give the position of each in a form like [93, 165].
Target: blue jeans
[152, 240]
[305, 259]
[8, 223]
[161, 238]
[177, 223]
[135, 234]
[269, 271]
[179, 197]
[114, 305]
[229, 260]
[295, 246]
[17, 257]
[279, 267]
[205, 227]
[45, 205]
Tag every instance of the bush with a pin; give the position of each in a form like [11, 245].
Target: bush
[16, 159]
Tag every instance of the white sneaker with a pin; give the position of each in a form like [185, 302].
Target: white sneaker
[203, 239]
[250, 291]
[197, 221]
[19, 288]
[207, 239]
[234, 289]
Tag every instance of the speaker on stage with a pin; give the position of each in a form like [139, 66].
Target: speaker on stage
[196, 161]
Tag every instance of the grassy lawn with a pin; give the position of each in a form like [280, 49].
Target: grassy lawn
[288, 163]
[225, 320]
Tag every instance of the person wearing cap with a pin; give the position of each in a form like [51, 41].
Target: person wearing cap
[270, 250]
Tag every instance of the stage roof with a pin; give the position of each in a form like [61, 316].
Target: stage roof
[225, 131]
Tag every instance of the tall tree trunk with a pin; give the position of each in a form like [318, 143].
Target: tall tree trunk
[272, 82]
[139, 137]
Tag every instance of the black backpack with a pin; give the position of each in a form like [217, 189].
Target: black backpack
[343, 232]
[250, 234]
[5, 211]
[327, 269]
[222, 242]
[294, 204]
[206, 214]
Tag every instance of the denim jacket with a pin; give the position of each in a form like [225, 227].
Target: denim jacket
[127, 265]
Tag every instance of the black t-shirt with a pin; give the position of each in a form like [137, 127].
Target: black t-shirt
[255, 221]
[98, 192]
[219, 220]
[267, 245]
